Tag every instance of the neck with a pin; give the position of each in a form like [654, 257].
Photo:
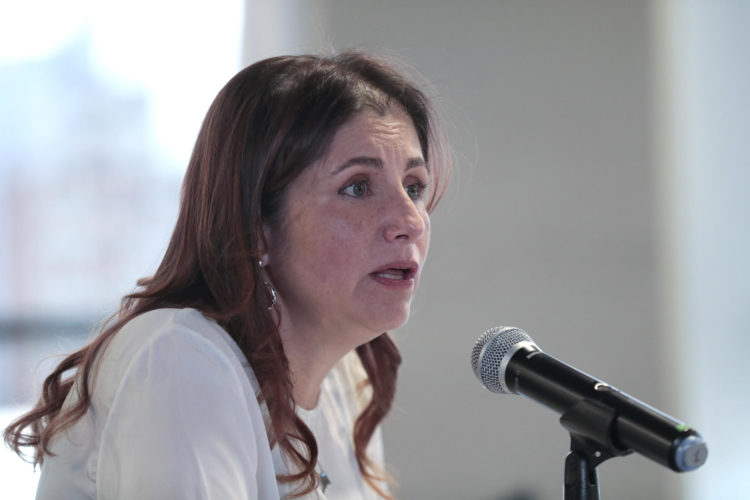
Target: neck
[311, 353]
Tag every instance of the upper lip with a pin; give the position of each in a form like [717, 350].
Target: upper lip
[410, 267]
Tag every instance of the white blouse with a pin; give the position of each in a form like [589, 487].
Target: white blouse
[174, 414]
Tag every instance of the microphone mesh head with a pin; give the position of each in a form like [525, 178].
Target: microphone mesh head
[489, 352]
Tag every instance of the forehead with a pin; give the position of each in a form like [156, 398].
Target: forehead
[370, 131]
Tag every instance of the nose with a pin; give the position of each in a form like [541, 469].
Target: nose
[403, 219]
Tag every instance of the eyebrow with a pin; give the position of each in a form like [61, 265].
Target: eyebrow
[371, 161]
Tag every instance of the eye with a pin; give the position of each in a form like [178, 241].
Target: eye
[416, 190]
[356, 189]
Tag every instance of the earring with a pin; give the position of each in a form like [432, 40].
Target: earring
[269, 286]
[272, 291]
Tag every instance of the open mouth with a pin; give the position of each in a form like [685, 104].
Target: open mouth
[395, 274]
[397, 271]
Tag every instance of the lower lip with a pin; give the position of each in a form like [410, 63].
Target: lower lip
[391, 283]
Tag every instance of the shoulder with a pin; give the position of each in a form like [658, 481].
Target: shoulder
[178, 343]
[170, 400]
[179, 326]
[176, 402]
[172, 332]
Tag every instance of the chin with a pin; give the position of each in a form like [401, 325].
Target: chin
[383, 317]
[395, 321]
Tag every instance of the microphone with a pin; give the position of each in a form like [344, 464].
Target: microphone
[506, 360]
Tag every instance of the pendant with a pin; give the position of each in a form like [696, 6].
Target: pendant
[324, 481]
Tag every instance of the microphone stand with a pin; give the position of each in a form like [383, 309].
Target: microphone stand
[590, 424]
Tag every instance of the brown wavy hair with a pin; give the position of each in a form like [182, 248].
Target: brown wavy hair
[269, 123]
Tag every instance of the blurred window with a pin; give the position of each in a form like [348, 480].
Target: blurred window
[100, 103]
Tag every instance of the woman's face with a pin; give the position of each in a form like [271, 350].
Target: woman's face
[354, 235]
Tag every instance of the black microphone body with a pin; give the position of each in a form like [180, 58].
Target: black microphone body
[590, 408]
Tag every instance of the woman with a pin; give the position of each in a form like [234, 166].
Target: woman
[254, 363]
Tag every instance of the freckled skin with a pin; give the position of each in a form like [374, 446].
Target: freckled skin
[333, 237]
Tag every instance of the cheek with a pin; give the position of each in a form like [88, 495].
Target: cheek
[331, 249]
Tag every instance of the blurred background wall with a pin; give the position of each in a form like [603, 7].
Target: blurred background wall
[599, 202]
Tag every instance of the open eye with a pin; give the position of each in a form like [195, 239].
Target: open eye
[416, 190]
[357, 189]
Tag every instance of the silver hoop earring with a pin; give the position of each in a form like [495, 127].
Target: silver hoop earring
[272, 291]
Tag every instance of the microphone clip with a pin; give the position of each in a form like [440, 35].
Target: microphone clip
[590, 424]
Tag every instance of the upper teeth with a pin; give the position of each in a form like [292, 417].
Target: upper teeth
[394, 274]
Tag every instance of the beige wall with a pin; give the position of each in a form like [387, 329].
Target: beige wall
[551, 225]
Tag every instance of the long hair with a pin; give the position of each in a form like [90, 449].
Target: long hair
[269, 123]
